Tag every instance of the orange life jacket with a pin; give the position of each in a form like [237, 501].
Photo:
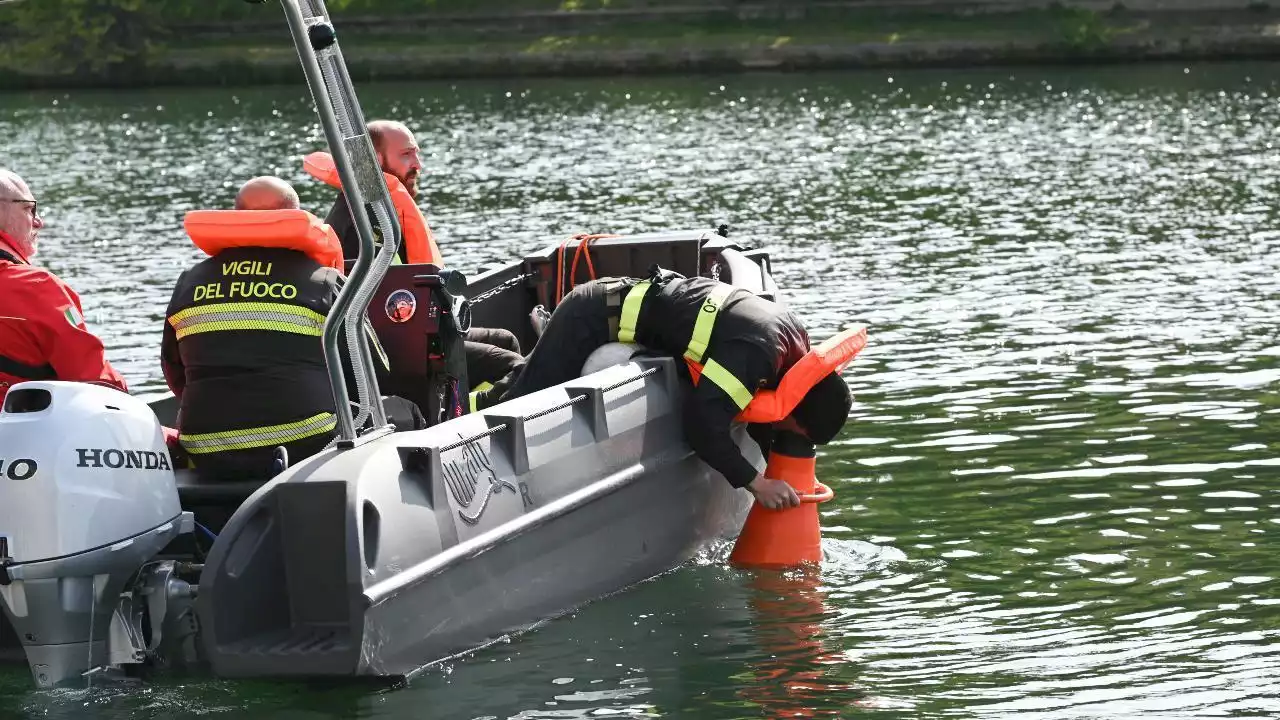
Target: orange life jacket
[216, 230]
[419, 243]
[832, 355]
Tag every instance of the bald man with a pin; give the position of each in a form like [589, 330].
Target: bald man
[241, 349]
[267, 193]
[42, 330]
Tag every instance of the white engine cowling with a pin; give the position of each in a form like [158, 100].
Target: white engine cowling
[87, 501]
[81, 466]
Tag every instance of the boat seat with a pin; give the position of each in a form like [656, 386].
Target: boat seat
[194, 489]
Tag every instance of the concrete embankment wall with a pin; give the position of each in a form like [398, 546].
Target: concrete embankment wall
[538, 37]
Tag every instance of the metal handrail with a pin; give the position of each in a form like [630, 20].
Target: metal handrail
[352, 150]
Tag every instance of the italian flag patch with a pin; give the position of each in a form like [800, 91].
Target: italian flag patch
[73, 316]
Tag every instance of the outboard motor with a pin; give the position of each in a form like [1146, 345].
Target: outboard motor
[87, 500]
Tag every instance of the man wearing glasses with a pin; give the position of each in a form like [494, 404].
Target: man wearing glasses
[42, 331]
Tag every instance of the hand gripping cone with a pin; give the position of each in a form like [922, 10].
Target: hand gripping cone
[790, 536]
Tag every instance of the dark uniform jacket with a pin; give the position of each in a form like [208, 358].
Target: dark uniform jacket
[242, 352]
[340, 220]
[756, 340]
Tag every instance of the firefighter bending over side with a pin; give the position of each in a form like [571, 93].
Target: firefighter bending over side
[736, 345]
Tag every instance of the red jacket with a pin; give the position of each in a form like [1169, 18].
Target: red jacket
[42, 331]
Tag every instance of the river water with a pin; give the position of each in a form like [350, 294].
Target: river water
[1054, 497]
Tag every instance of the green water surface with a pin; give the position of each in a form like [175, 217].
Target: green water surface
[1054, 497]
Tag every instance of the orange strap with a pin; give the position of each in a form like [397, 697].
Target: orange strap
[833, 355]
[216, 230]
[420, 245]
[584, 249]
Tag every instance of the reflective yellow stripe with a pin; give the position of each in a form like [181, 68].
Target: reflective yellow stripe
[221, 326]
[245, 307]
[725, 380]
[707, 315]
[267, 436]
[631, 312]
[474, 395]
[218, 317]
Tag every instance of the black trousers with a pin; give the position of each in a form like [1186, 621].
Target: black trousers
[497, 337]
[491, 354]
[579, 326]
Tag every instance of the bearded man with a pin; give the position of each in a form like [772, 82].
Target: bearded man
[397, 154]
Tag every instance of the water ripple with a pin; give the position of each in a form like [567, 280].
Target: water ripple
[1055, 497]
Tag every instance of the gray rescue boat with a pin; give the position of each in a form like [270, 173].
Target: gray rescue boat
[389, 551]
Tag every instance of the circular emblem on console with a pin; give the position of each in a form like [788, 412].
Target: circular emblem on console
[401, 304]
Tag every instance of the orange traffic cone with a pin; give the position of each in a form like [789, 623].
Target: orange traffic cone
[791, 536]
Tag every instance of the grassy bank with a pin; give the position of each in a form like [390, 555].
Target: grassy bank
[617, 42]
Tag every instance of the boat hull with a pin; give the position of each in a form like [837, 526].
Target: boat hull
[387, 557]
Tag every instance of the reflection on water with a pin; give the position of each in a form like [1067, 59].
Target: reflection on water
[1055, 498]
